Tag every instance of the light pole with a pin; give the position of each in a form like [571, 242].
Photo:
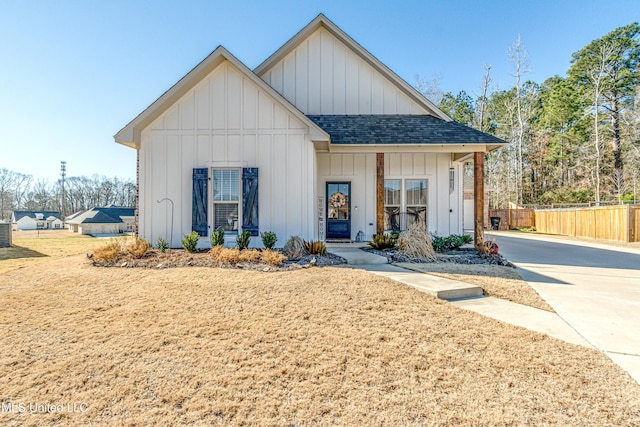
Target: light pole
[171, 236]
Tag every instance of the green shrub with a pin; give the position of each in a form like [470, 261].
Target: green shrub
[456, 240]
[243, 240]
[452, 242]
[269, 239]
[217, 238]
[190, 241]
[382, 241]
[163, 244]
[438, 243]
[314, 247]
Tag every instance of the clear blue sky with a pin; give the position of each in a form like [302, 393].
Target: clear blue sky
[73, 73]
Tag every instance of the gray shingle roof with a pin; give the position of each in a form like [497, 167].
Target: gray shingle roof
[101, 215]
[116, 211]
[32, 214]
[400, 129]
[101, 218]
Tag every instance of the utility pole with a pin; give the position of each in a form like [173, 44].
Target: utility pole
[63, 175]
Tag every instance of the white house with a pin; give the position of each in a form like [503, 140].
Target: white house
[102, 220]
[321, 140]
[36, 220]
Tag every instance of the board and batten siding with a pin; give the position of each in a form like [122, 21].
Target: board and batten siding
[444, 208]
[226, 120]
[324, 76]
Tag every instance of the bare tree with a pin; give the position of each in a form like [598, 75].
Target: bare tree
[520, 59]
[40, 197]
[7, 184]
[481, 109]
[430, 88]
[596, 76]
[22, 185]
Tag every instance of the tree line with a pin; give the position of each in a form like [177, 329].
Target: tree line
[19, 191]
[573, 139]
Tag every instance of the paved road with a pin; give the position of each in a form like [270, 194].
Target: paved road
[593, 287]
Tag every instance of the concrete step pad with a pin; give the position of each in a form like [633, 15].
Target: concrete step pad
[438, 286]
[356, 256]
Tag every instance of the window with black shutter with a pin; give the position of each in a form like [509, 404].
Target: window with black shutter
[199, 209]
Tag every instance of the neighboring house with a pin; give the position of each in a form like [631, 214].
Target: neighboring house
[36, 220]
[321, 140]
[102, 220]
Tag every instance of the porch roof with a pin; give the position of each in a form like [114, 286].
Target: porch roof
[400, 130]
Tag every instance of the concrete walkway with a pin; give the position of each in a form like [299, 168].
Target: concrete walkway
[354, 255]
[463, 295]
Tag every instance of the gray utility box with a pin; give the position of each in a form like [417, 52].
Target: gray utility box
[5, 235]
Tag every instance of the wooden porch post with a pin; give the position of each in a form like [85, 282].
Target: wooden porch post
[478, 199]
[136, 212]
[379, 193]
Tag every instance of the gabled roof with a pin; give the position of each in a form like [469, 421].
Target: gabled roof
[74, 215]
[101, 215]
[400, 130]
[130, 134]
[117, 211]
[97, 217]
[18, 215]
[323, 21]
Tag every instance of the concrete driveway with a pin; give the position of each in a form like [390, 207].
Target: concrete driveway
[593, 287]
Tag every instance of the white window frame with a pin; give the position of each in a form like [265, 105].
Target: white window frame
[406, 204]
[403, 200]
[226, 202]
[399, 205]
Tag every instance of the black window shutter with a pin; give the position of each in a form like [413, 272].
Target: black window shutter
[200, 201]
[250, 200]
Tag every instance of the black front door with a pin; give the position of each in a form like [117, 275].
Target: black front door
[339, 210]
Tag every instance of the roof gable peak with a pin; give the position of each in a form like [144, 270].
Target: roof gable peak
[131, 133]
[321, 21]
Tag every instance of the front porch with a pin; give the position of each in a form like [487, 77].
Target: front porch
[361, 193]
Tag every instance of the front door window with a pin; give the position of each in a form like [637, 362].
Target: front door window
[339, 210]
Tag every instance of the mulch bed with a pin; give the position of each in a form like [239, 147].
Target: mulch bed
[173, 258]
[181, 258]
[460, 256]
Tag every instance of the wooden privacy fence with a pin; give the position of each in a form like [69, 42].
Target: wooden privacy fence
[618, 223]
[514, 218]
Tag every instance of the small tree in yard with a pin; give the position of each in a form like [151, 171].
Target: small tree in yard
[217, 238]
[269, 239]
[163, 244]
[190, 241]
[243, 240]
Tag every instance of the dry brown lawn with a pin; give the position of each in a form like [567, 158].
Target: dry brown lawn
[32, 247]
[496, 280]
[329, 346]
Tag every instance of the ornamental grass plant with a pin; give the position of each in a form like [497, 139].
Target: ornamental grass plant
[417, 242]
